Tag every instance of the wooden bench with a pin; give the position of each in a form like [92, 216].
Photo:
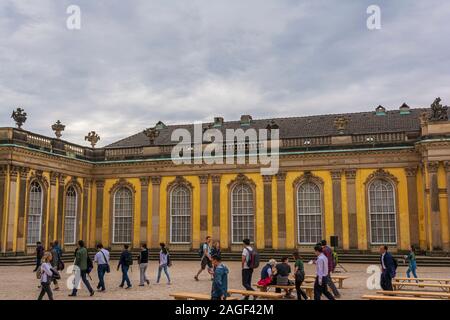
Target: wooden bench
[415, 294]
[309, 290]
[379, 297]
[194, 296]
[397, 285]
[438, 280]
[336, 278]
[257, 294]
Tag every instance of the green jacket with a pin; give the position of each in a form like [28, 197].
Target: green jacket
[81, 259]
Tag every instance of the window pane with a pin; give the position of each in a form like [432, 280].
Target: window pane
[70, 216]
[123, 216]
[309, 211]
[34, 214]
[382, 212]
[180, 215]
[242, 214]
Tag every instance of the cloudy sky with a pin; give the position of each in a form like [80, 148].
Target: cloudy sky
[135, 62]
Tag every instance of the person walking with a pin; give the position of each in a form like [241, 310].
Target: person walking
[143, 265]
[388, 267]
[39, 255]
[299, 273]
[102, 259]
[164, 262]
[328, 252]
[247, 270]
[82, 270]
[55, 262]
[125, 262]
[46, 276]
[412, 264]
[219, 288]
[320, 285]
[215, 250]
[205, 258]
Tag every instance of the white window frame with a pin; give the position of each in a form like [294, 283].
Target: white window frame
[233, 214]
[394, 199]
[114, 217]
[188, 192]
[74, 218]
[299, 214]
[33, 241]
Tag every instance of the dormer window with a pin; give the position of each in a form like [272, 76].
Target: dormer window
[405, 109]
[380, 111]
[218, 122]
[246, 120]
[160, 125]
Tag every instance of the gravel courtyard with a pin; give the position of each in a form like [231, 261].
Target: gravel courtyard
[20, 282]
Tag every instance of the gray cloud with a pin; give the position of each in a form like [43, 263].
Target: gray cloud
[136, 62]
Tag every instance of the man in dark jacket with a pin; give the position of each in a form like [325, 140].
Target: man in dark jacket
[220, 281]
[39, 254]
[81, 269]
[126, 260]
[328, 252]
[388, 268]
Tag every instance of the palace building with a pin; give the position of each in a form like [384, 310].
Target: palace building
[369, 178]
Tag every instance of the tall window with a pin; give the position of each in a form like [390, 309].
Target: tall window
[382, 212]
[242, 213]
[123, 216]
[70, 219]
[180, 215]
[34, 214]
[309, 211]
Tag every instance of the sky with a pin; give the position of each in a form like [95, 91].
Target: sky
[133, 63]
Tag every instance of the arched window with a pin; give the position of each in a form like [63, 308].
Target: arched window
[34, 213]
[382, 212]
[180, 215]
[123, 216]
[242, 214]
[309, 213]
[70, 219]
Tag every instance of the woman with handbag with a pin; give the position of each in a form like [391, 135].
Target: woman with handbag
[55, 262]
[164, 262]
[46, 276]
[102, 260]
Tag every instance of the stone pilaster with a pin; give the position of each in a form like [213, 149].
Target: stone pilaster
[60, 210]
[436, 233]
[337, 205]
[411, 173]
[203, 206]
[53, 206]
[447, 172]
[281, 209]
[216, 206]
[87, 185]
[12, 206]
[23, 174]
[268, 211]
[100, 185]
[350, 176]
[156, 185]
[145, 181]
[3, 206]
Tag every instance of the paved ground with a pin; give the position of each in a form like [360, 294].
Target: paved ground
[20, 282]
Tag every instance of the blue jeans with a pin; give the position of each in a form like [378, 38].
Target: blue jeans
[412, 268]
[125, 276]
[101, 270]
[163, 267]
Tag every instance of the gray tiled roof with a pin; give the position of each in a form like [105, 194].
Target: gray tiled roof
[303, 127]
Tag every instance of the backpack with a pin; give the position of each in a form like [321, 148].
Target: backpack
[200, 250]
[169, 261]
[253, 262]
[129, 260]
[90, 265]
[395, 263]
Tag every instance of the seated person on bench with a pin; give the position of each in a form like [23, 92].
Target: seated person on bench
[282, 275]
[267, 273]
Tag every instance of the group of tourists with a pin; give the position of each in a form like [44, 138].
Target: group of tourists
[49, 264]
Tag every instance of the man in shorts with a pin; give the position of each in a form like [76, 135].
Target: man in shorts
[206, 260]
